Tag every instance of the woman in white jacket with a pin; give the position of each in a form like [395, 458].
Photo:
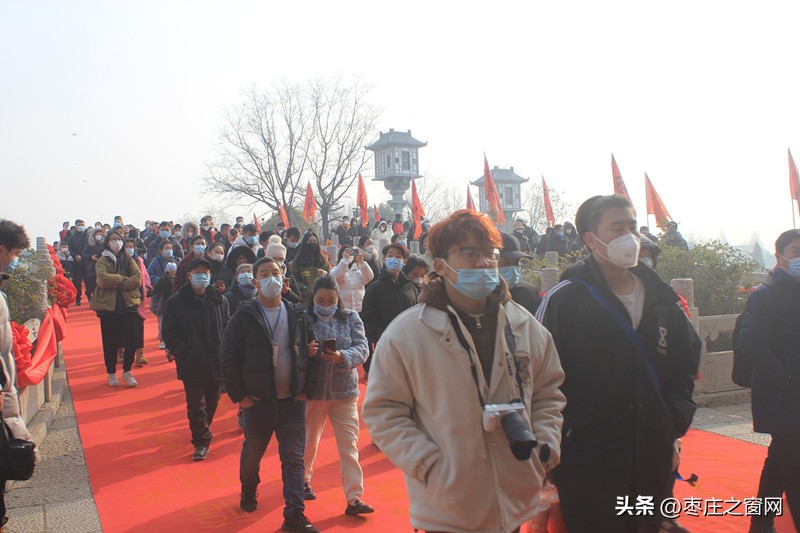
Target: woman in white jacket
[352, 274]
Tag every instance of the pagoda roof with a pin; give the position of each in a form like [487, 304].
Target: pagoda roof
[396, 138]
[503, 175]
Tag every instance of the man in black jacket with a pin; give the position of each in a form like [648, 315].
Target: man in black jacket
[268, 362]
[387, 296]
[630, 356]
[77, 242]
[192, 326]
[769, 340]
[522, 292]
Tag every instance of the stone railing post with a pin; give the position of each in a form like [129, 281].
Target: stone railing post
[414, 247]
[335, 240]
[685, 288]
[551, 259]
[44, 260]
[549, 278]
[382, 243]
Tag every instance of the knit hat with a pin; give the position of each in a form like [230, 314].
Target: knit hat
[275, 248]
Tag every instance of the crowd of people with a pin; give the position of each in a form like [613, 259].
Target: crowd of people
[574, 399]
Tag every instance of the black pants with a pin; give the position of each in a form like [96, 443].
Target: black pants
[202, 398]
[119, 330]
[91, 285]
[78, 270]
[781, 473]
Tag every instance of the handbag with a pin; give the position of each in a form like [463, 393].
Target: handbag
[17, 457]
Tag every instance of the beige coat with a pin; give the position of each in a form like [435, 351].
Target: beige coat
[422, 410]
[109, 282]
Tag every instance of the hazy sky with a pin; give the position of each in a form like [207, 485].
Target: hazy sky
[703, 96]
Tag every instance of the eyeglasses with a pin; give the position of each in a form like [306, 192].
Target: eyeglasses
[473, 254]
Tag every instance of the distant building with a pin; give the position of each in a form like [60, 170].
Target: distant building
[396, 162]
[509, 188]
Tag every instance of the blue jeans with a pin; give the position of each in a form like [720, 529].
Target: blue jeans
[287, 419]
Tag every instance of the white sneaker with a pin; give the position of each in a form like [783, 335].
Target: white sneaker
[162, 346]
[112, 380]
[128, 378]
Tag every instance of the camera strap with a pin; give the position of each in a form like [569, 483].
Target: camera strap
[512, 348]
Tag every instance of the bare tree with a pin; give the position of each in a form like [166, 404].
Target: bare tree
[534, 206]
[342, 122]
[437, 199]
[263, 147]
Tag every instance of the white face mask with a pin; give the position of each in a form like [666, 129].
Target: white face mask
[623, 251]
[647, 261]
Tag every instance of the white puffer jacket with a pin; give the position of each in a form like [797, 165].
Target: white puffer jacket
[352, 281]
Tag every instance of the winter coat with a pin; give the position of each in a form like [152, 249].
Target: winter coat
[67, 262]
[221, 272]
[351, 282]
[157, 269]
[92, 248]
[182, 274]
[246, 356]
[338, 381]
[77, 242]
[616, 420]
[11, 408]
[378, 235]
[526, 295]
[116, 274]
[423, 410]
[189, 227]
[235, 296]
[557, 244]
[192, 331]
[345, 239]
[769, 338]
[384, 300]
[305, 276]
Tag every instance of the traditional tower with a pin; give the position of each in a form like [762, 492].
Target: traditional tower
[509, 188]
[396, 162]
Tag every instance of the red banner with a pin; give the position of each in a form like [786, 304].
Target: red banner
[548, 207]
[284, 217]
[490, 191]
[361, 201]
[376, 214]
[42, 357]
[470, 202]
[794, 180]
[257, 224]
[655, 206]
[416, 210]
[619, 185]
[310, 205]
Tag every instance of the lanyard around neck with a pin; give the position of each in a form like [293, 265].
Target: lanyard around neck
[270, 327]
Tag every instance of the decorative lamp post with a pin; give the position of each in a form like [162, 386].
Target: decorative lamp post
[396, 162]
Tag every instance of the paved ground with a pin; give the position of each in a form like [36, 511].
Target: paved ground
[59, 497]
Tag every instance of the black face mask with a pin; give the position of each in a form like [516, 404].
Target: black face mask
[312, 247]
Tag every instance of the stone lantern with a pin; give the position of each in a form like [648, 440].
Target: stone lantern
[509, 188]
[396, 162]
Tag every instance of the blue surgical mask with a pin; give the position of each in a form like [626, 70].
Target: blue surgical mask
[164, 234]
[560, 233]
[14, 263]
[199, 249]
[293, 244]
[402, 243]
[129, 251]
[246, 279]
[794, 266]
[475, 283]
[171, 267]
[80, 229]
[117, 224]
[249, 239]
[323, 311]
[166, 254]
[201, 280]
[511, 274]
[271, 287]
[393, 264]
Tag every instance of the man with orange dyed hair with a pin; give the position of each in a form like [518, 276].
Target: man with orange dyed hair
[462, 389]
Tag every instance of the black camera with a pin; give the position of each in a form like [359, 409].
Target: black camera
[519, 434]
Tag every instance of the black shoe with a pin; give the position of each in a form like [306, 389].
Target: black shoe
[762, 528]
[308, 492]
[670, 525]
[200, 453]
[358, 507]
[249, 500]
[78, 303]
[297, 521]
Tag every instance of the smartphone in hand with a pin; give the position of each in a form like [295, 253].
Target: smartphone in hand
[329, 345]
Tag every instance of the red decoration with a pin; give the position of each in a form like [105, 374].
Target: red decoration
[310, 205]
[548, 207]
[416, 210]
[490, 192]
[470, 202]
[61, 291]
[361, 201]
[619, 185]
[655, 206]
[22, 346]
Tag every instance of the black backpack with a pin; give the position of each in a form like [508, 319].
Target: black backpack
[742, 373]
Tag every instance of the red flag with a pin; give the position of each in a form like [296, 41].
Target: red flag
[470, 202]
[490, 191]
[655, 206]
[361, 201]
[416, 210]
[255, 221]
[794, 180]
[619, 185]
[376, 213]
[548, 207]
[283, 216]
[310, 205]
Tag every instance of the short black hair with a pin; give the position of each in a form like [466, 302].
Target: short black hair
[207, 217]
[78, 221]
[224, 226]
[293, 232]
[363, 239]
[249, 228]
[165, 242]
[785, 239]
[413, 262]
[261, 261]
[197, 238]
[587, 219]
[163, 223]
[265, 235]
[12, 235]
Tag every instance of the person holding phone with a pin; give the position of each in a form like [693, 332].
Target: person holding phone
[335, 396]
[352, 273]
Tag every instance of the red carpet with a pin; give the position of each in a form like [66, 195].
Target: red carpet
[138, 449]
